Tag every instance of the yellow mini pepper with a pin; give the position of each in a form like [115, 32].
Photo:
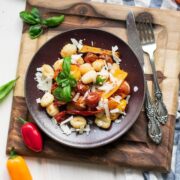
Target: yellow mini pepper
[17, 167]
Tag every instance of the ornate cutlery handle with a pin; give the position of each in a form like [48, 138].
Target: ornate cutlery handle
[154, 129]
[161, 111]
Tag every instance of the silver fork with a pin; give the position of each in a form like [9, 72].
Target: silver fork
[144, 26]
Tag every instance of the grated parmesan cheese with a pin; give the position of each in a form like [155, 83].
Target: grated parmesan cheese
[81, 131]
[106, 108]
[115, 57]
[117, 121]
[76, 97]
[66, 120]
[93, 88]
[100, 104]
[86, 94]
[44, 83]
[116, 110]
[105, 65]
[65, 129]
[103, 72]
[38, 100]
[127, 98]
[117, 98]
[106, 87]
[75, 57]
[92, 43]
[109, 66]
[39, 69]
[79, 44]
[112, 78]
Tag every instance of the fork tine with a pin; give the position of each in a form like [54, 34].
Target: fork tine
[146, 24]
[140, 31]
[145, 28]
[143, 32]
[151, 30]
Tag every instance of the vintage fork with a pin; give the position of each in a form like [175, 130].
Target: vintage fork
[144, 26]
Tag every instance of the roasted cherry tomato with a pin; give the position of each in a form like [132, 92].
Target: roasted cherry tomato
[124, 89]
[92, 99]
[106, 57]
[81, 88]
[90, 57]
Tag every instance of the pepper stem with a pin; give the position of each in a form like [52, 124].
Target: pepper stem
[12, 153]
[22, 120]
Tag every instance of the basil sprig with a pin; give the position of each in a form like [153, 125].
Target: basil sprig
[37, 23]
[65, 82]
[6, 89]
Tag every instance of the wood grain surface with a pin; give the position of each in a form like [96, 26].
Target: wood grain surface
[134, 149]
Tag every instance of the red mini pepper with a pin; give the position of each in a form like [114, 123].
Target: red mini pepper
[31, 135]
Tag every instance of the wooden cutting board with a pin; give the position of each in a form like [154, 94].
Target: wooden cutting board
[134, 149]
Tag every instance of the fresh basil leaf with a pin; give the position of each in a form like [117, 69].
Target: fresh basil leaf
[72, 81]
[100, 80]
[66, 93]
[35, 12]
[29, 18]
[64, 82]
[57, 93]
[6, 89]
[62, 75]
[66, 65]
[61, 81]
[35, 31]
[63, 94]
[53, 21]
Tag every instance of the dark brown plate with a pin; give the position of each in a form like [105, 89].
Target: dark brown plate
[50, 53]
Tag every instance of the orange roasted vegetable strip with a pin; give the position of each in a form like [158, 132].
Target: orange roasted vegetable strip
[95, 50]
[17, 167]
[120, 75]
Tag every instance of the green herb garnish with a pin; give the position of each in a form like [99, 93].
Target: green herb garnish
[6, 89]
[100, 80]
[53, 21]
[65, 82]
[29, 18]
[35, 31]
[37, 23]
